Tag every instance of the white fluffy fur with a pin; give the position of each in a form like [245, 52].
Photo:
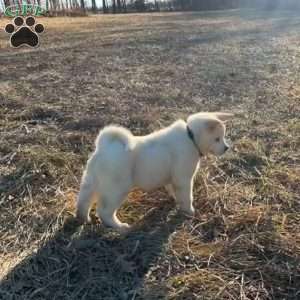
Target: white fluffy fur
[167, 158]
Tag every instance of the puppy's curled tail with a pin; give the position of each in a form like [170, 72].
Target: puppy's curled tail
[112, 134]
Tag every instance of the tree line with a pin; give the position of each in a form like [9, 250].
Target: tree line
[123, 6]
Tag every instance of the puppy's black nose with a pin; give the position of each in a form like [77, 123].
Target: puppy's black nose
[226, 148]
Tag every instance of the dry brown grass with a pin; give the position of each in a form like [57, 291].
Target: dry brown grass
[145, 71]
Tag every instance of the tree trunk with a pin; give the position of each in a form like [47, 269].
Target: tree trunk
[6, 3]
[124, 6]
[53, 4]
[114, 6]
[62, 5]
[94, 6]
[82, 4]
[119, 5]
[182, 4]
[104, 7]
[76, 4]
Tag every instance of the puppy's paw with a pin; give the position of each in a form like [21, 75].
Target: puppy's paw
[189, 212]
[82, 219]
[123, 228]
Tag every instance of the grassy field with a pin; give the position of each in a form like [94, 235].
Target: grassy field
[144, 72]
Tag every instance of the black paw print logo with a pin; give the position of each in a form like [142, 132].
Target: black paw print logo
[24, 33]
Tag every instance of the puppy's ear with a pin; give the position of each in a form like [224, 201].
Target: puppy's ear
[212, 124]
[223, 116]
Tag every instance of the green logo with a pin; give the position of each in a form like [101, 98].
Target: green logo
[24, 10]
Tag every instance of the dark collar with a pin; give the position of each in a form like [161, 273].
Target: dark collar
[192, 137]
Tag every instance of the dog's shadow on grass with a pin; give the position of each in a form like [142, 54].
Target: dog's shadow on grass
[91, 262]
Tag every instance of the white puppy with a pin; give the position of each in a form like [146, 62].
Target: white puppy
[168, 157]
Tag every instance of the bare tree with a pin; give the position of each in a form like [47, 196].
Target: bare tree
[2, 6]
[119, 5]
[124, 6]
[6, 3]
[104, 6]
[114, 6]
[82, 4]
[94, 6]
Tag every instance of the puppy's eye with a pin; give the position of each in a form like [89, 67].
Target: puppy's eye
[217, 139]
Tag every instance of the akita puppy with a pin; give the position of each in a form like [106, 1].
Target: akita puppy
[168, 157]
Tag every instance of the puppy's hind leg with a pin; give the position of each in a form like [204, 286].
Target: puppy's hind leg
[107, 209]
[85, 198]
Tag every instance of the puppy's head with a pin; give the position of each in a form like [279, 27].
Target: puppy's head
[209, 131]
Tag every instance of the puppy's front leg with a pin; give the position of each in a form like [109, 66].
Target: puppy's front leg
[107, 209]
[184, 196]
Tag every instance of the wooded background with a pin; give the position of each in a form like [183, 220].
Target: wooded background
[79, 7]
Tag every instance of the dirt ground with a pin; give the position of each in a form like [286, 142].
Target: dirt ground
[144, 72]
